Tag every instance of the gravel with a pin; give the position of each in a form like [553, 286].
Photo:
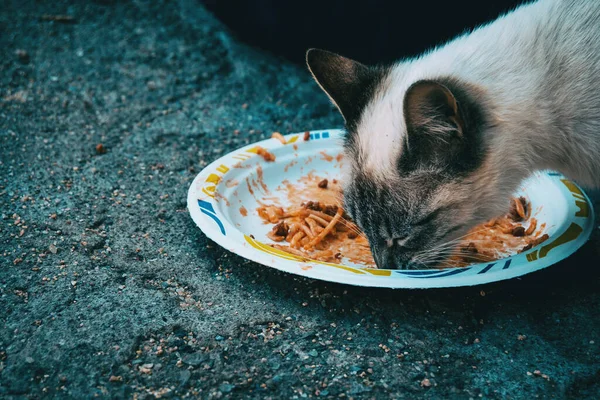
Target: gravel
[107, 288]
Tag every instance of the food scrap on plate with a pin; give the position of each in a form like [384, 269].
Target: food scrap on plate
[321, 230]
[315, 225]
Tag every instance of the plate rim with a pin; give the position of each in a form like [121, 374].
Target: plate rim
[206, 215]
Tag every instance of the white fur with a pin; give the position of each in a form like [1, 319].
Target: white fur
[509, 61]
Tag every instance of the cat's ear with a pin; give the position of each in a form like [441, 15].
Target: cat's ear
[430, 108]
[443, 120]
[348, 83]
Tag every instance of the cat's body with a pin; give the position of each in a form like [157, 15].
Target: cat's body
[441, 141]
[540, 69]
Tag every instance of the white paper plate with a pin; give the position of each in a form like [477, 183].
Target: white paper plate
[218, 193]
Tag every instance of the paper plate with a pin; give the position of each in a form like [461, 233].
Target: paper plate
[223, 198]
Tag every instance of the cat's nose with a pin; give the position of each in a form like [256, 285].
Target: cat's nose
[383, 261]
[384, 258]
[395, 257]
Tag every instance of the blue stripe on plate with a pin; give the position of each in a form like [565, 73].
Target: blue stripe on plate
[412, 273]
[449, 273]
[206, 208]
[507, 264]
[487, 268]
[205, 205]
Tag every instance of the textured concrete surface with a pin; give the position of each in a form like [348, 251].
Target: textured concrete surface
[107, 288]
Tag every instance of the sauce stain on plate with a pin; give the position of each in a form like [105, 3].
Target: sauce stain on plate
[293, 178]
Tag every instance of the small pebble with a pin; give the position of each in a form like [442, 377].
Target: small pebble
[23, 55]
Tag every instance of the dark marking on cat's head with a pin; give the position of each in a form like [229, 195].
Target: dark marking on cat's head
[423, 196]
[427, 198]
[443, 128]
[417, 174]
[404, 217]
[349, 84]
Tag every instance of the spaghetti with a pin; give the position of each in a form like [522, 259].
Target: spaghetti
[318, 231]
[515, 232]
[322, 231]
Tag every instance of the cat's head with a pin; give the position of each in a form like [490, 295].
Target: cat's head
[417, 172]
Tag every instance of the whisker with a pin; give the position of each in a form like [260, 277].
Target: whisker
[477, 257]
[350, 225]
[440, 249]
[443, 263]
[462, 254]
[458, 239]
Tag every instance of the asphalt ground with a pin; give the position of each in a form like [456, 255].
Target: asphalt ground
[107, 288]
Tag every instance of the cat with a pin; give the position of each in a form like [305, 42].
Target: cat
[437, 144]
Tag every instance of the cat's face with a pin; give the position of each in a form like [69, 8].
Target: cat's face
[416, 176]
[409, 220]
